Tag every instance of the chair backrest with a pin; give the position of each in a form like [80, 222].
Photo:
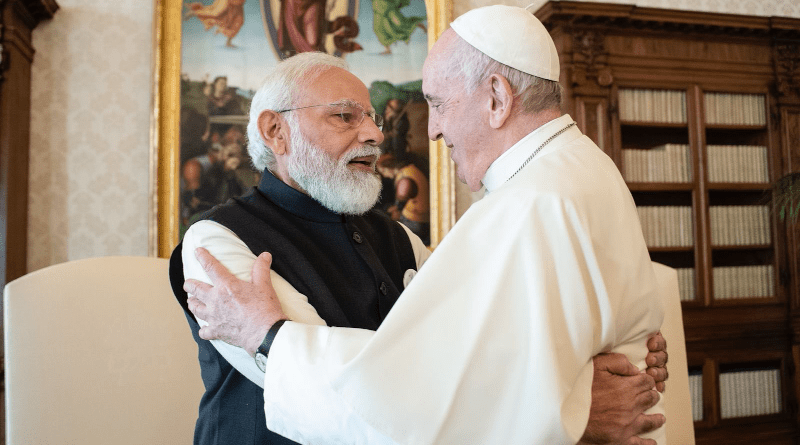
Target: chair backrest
[677, 398]
[98, 352]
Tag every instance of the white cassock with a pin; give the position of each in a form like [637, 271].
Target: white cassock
[492, 342]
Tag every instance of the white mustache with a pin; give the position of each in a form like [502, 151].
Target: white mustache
[364, 150]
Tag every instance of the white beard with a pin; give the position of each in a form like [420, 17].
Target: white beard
[330, 182]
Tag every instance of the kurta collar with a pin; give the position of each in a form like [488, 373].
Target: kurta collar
[509, 162]
[294, 201]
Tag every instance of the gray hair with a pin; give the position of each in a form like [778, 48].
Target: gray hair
[278, 92]
[534, 93]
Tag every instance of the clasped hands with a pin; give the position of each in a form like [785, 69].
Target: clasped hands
[240, 313]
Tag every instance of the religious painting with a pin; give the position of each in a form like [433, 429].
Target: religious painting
[227, 46]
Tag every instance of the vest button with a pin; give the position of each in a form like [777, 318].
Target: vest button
[357, 237]
[384, 288]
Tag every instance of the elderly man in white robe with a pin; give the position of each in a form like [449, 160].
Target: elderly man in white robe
[492, 341]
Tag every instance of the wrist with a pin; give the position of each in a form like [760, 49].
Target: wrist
[263, 349]
[260, 332]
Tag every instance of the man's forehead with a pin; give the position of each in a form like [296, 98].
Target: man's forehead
[339, 86]
[433, 88]
[434, 75]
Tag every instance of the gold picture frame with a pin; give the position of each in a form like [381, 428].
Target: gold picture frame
[165, 122]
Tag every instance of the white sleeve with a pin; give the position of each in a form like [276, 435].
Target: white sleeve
[234, 254]
[421, 251]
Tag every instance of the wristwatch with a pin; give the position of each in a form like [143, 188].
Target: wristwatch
[263, 350]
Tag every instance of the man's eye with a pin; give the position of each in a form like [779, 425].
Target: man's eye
[347, 117]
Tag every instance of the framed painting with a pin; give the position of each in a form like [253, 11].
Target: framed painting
[211, 56]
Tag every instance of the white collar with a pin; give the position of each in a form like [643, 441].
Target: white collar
[512, 159]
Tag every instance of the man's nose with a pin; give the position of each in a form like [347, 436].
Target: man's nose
[369, 133]
[434, 133]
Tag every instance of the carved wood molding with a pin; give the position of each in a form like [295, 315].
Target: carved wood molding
[28, 13]
[786, 54]
[589, 59]
[39, 10]
[620, 16]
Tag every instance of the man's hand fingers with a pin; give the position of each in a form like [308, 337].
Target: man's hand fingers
[215, 270]
[197, 307]
[658, 374]
[196, 288]
[207, 333]
[645, 423]
[261, 268]
[615, 364]
[656, 343]
[657, 359]
[637, 441]
[645, 382]
[646, 400]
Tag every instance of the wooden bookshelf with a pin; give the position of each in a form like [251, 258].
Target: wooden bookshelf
[727, 87]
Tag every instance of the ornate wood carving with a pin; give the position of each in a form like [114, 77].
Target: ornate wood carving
[40, 10]
[787, 68]
[589, 59]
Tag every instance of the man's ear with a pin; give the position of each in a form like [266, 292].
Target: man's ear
[272, 128]
[501, 100]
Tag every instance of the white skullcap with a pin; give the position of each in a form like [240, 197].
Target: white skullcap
[512, 36]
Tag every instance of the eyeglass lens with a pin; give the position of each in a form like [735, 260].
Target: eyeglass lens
[353, 116]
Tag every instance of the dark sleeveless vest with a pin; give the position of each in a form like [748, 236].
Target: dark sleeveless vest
[350, 267]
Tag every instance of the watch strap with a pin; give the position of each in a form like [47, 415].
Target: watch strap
[270, 337]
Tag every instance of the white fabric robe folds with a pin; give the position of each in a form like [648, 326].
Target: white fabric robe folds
[492, 342]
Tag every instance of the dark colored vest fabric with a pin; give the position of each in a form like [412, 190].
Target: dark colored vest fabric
[350, 267]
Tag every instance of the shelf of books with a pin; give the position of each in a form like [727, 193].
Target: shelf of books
[745, 390]
[748, 391]
[739, 212]
[657, 163]
[702, 190]
[660, 165]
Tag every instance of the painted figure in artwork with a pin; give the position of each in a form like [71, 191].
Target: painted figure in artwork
[221, 98]
[226, 15]
[303, 27]
[390, 25]
[411, 193]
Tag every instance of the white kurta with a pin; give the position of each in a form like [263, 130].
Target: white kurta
[492, 342]
[234, 254]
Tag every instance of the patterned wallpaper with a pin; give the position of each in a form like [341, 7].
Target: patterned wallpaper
[90, 122]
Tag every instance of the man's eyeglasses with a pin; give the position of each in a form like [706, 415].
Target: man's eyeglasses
[345, 115]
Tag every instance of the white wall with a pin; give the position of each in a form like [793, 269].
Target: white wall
[90, 122]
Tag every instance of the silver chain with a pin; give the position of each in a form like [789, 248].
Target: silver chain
[558, 133]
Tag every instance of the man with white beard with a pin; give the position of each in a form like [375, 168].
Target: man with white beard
[313, 132]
